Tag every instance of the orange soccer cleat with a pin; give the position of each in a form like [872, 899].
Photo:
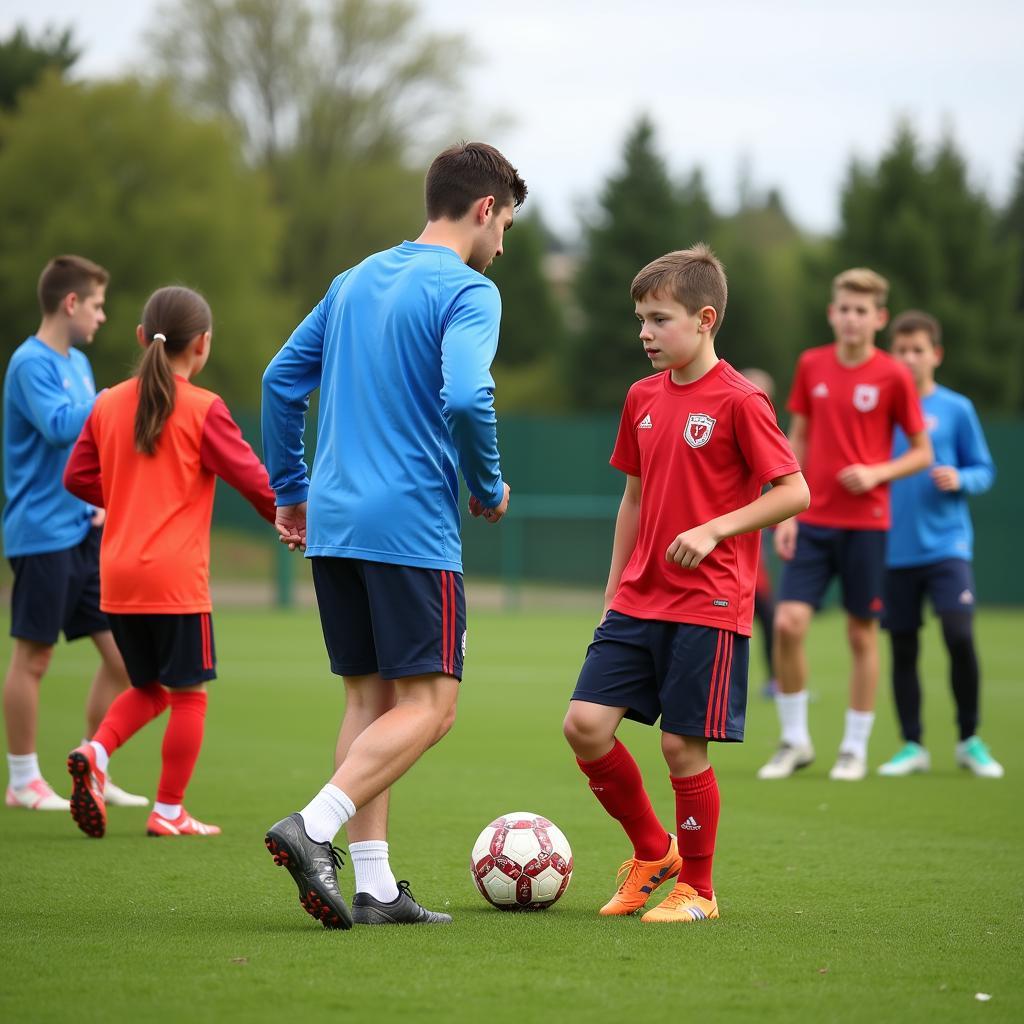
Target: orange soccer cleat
[642, 877]
[683, 904]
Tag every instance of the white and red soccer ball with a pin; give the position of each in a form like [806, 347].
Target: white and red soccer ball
[521, 861]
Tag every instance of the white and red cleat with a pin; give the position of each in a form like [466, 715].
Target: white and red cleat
[38, 795]
[183, 825]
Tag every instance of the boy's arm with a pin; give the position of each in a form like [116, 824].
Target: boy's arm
[785, 533]
[788, 495]
[82, 476]
[859, 479]
[627, 528]
[975, 471]
[50, 408]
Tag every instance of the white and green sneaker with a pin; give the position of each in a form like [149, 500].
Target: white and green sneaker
[973, 754]
[910, 758]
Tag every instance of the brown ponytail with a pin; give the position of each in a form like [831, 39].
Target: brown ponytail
[170, 320]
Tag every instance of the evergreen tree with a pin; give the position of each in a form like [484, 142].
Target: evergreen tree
[1011, 225]
[23, 61]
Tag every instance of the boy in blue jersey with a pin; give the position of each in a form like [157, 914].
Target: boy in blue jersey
[50, 537]
[929, 552]
[400, 348]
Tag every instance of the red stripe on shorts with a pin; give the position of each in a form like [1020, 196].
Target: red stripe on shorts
[722, 706]
[714, 683]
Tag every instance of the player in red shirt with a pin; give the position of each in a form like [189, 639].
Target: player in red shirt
[150, 453]
[697, 442]
[846, 399]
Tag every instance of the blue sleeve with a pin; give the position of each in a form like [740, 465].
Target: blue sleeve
[49, 406]
[292, 376]
[468, 345]
[974, 461]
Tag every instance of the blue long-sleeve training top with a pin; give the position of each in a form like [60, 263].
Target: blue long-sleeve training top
[400, 348]
[47, 398]
[929, 525]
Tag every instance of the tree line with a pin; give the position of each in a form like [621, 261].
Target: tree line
[274, 143]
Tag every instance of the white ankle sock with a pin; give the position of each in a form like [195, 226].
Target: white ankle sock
[102, 757]
[373, 870]
[792, 709]
[857, 732]
[23, 769]
[169, 812]
[324, 815]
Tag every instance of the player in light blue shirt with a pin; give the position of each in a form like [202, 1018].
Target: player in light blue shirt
[400, 348]
[50, 537]
[929, 552]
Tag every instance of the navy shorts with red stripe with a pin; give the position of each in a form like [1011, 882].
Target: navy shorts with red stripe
[694, 678]
[396, 620]
[174, 650]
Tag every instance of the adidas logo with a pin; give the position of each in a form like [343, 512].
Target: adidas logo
[690, 825]
[820, 390]
[645, 423]
[966, 597]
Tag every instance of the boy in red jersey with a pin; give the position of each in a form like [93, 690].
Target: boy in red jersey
[150, 453]
[697, 442]
[846, 400]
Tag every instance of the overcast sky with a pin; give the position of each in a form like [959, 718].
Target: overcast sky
[793, 88]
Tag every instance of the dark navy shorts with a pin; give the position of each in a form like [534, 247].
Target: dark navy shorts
[58, 590]
[174, 650]
[949, 585]
[398, 620]
[857, 557]
[693, 677]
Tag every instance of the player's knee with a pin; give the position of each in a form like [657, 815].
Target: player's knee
[790, 625]
[957, 632]
[583, 729]
[34, 659]
[862, 635]
[446, 723]
[684, 755]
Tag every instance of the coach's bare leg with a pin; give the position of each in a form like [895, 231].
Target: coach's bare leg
[792, 620]
[367, 698]
[386, 749]
[590, 728]
[863, 638]
[110, 680]
[29, 662]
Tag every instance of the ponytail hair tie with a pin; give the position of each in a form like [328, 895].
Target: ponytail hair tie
[160, 337]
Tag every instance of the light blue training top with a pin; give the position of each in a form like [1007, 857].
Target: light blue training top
[47, 398]
[929, 525]
[401, 348]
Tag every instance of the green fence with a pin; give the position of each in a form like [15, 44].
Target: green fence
[565, 495]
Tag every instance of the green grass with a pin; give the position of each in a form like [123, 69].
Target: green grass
[891, 900]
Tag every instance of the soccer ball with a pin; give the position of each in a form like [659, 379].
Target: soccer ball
[521, 862]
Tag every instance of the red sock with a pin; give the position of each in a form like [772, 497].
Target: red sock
[182, 740]
[128, 713]
[616, 782]
[697, 806]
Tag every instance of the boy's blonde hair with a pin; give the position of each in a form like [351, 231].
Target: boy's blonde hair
[693, 277]
[863, 281]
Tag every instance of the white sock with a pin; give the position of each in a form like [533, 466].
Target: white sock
[169, 812]
[324, 815]
[857, 732]
[23, 769]
[792, 709]
[102, 757]
[373, 870]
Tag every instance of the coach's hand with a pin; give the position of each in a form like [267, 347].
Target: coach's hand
[492, 515]
[785, 539]
[946, 478]
[689, 549]
[290, 522]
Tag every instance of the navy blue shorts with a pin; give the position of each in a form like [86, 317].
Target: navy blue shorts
[949, 585]
[398, 620]
[174, 650]
[857, 557]
[58, 590]
[693, 677]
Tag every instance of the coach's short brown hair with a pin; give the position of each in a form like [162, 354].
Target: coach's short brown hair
[863, 281]
[914, 320]
[693, 277]
[66, 274]
[466, 172]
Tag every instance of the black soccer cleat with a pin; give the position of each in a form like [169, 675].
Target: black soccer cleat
[402, 910]
[313, 866]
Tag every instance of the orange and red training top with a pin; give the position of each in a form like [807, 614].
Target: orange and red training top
[155, 553]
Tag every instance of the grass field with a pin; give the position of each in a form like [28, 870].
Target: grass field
[888, 900]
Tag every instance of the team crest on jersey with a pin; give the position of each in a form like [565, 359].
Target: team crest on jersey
[865, 397]
[697, 431]
[931, 423]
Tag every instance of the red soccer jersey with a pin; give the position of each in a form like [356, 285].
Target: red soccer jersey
[701, 450]
[851, 412]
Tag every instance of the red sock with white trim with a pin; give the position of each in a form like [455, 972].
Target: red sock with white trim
[128, 713]
[616, 781]
[697, 806]
[182, 740]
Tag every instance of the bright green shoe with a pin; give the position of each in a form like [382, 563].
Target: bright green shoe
[973, 754]
[910, 758]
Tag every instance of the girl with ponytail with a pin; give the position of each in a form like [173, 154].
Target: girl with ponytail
[149, 454]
